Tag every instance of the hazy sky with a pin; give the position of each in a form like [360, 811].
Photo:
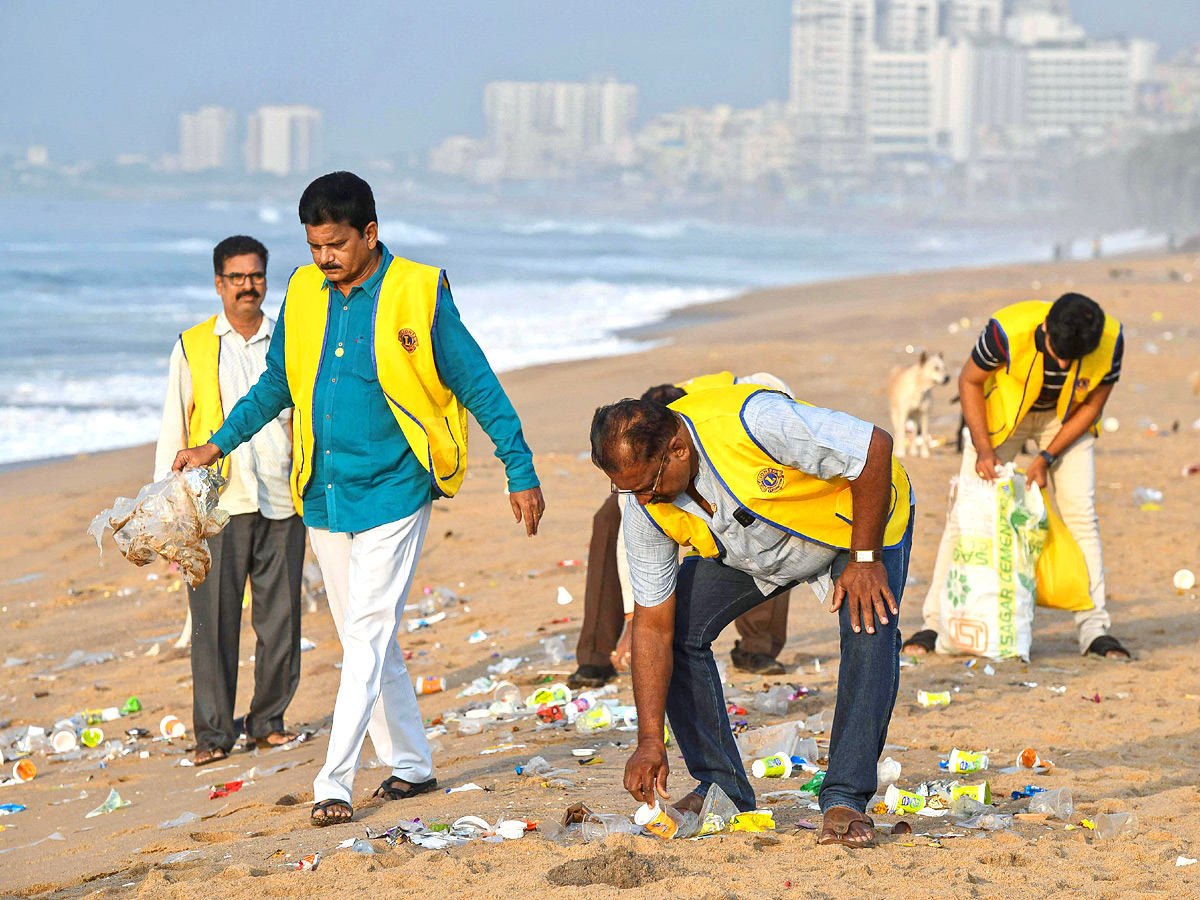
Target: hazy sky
[92, 79]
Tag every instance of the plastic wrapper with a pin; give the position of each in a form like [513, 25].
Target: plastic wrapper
[172, 518]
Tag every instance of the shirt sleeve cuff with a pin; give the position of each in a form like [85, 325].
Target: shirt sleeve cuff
[523, 482]
[223, 441]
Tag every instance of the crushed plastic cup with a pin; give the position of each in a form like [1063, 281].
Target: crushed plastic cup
[777, 766]
[1115, 825]
[170, 727]
[91, 737]
[813, 785]
[718, 811]
[512, 829]
[901, 802]
[989, 821]
[661, 821]
[429, 684]
[1056, 803]
[1184, 580]
[112, 802]
[933, 698]
[598, 826]
[773, 702]
[24, 770]
[64, 741]
[962, 761]
[1029, 759]
[552, 693]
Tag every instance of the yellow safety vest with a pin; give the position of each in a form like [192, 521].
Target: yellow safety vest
[1011, 390]
[707, 382]
[431, 417]
[787, 498]
[202, 350]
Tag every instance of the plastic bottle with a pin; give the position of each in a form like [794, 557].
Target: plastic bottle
[1114, 825]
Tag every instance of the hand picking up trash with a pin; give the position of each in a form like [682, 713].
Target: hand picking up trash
[171, 518]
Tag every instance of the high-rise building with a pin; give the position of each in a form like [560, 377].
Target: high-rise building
[1084, 85]
[906, 25]
[283, 140]
[205, 139]
[972, 18]
[828, 86]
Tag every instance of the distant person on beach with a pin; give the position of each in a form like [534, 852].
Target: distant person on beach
[372, 353]
[770, 493]
[213, 365]
[1041, 371]
[603, 648]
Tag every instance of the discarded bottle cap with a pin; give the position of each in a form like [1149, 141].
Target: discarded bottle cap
[24, 770]
[64, 741]
[170, 727]
[91, 737]
[1184, 580]
[929, 698]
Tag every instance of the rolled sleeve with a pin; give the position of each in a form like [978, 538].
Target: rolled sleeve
[820, 442]
[653, 557]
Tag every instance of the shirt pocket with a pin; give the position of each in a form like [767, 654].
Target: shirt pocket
[363, 366]
[766, 546]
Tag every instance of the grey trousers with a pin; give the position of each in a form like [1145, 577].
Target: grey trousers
[271, 553]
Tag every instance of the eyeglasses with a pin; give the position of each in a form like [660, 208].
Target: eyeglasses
[653, 485]
[237, 279]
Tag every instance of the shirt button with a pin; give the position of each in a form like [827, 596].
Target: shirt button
[345, 307]
[329, 487]
[334, 380]
[327, 415]
[326, 452]
[338, 352]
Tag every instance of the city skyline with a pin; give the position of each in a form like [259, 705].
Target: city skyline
[129, 115]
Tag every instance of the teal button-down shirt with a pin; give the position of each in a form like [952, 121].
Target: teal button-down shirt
[364, 472]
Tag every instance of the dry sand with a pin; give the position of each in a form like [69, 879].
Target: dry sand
[1135, 749]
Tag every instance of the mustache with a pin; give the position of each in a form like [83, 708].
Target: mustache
[245, 294]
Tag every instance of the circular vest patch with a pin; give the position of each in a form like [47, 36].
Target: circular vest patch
[770, 481]
[408, 339]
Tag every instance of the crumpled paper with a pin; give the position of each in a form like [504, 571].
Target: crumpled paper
[172, 518]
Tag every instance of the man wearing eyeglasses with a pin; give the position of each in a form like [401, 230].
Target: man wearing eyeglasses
[212, 366]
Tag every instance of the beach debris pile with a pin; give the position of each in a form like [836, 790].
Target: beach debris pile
[172, 518]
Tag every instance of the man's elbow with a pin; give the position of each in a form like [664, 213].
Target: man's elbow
[881, 443]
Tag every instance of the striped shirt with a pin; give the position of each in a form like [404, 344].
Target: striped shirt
[991, 353]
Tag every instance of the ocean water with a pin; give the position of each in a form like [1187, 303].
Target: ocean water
[93, 294]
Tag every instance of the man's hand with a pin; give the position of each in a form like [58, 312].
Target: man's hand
[985, 464]
[204, 455]
[646, 771]
[1036, 473]
[528, 506]
[865, 586]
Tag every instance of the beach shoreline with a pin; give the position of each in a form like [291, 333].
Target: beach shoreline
[834, 342]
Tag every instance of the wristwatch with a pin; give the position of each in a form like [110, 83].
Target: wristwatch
[867, 556]
[1049, 457]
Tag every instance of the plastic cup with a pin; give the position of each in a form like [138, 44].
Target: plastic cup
[962, 761]
[91, 737]
[507, 692]
[429, 684]
[24, 770]
[64, 741]
[171, 727]
[777, 766]
[657, 820]
[898, 801]
[932, 698]
[980, 793]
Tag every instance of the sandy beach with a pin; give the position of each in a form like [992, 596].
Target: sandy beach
[1136, 749]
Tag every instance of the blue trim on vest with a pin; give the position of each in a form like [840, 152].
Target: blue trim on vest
[750, 434]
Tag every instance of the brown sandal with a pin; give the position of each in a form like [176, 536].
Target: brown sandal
[208, 756]
[275, 739]
[835, 828]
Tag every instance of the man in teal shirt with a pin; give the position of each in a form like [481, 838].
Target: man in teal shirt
[367, 497]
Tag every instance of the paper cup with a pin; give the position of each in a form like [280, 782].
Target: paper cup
[1184, 580]
[656, 820]
[900, 802]
[24, 770]
[962, 761]
[777, 766]
[980, 793]
[171, 727]
[64, 741]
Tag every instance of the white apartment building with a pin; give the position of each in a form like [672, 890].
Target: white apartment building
[1082, 86]
[206, 139]
[973, 18]
[283, 140]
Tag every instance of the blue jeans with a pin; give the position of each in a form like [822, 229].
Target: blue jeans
[710, 595]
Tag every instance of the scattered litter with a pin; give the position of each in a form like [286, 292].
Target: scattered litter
[77, 658]
[429, 684]
[182, 819]
[113, 802]
[309, 863]
[306, 645]
[1056, 803]
[928, 699]
[564, 596]
[1184, 861]
[506, 665]
[224, 790]
[424, 622]
[183, 856]
[8, 809]
[478, 637]
[469, 786]
[1115, 825]
[1184, 580]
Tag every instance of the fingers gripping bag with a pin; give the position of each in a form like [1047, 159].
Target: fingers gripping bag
[987, 602]
[172, 518]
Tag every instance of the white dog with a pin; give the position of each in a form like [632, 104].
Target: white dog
[910, 390]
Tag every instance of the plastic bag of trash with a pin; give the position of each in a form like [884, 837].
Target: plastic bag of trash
[172, 518]
[784, 738]
[987, 600]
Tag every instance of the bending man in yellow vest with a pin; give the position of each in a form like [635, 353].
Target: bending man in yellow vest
[372, 353]
[769, 493]
[212, 366]
[1041, 372]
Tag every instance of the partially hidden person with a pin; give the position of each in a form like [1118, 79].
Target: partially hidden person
[769, 493]
[381, 370]
[213, 365]
[1041, 372]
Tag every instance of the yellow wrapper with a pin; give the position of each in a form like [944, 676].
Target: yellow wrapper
[753, 821]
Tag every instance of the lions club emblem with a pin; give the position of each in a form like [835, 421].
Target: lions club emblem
[408, 339]
[770, 481]
[1082, 385]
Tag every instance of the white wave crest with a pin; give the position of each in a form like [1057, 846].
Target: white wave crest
[405, 234]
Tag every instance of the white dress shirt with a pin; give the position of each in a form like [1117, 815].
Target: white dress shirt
[258, 469]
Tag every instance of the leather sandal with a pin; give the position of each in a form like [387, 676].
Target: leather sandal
[835, 827]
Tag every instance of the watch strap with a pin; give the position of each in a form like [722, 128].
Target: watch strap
[867, 556]
[1049, 457]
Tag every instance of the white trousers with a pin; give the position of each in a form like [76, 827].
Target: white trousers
[1073, 479]
[367, 578]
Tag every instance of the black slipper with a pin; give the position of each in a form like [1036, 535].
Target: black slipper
[1102, 645]
[926, 640]
[388, 790]
[325, 818]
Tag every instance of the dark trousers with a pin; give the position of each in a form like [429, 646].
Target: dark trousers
[271, 553]
[762, 629]
[708, 597]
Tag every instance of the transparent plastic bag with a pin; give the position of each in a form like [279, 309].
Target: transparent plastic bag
[172, 518]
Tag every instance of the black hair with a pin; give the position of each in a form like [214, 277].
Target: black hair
[630, 431]
[238, 245]
[1074, 325]
[666, 394]
[339, 198]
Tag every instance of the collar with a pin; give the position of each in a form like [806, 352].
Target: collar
[371, 285]
[222, 327]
